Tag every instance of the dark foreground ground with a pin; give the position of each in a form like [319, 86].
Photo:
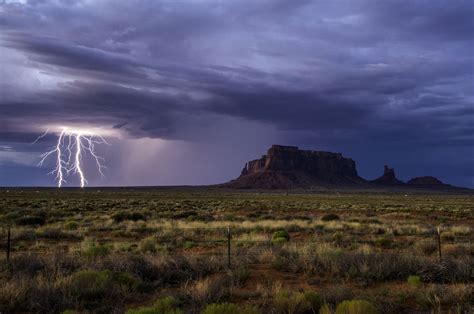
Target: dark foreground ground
[166, 250]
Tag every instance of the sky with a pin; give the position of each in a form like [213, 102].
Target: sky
[185, 92]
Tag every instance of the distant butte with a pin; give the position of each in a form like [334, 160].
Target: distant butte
[288, 167]
[388, 178]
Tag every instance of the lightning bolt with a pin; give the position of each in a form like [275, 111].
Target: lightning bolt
[70, 147]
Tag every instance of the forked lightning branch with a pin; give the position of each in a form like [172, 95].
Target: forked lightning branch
[71, 146]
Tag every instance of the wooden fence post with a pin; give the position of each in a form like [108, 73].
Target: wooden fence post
[439, 244]
[8, 244]
[228, 247]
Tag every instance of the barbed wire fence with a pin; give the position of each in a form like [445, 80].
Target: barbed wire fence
[225, 243]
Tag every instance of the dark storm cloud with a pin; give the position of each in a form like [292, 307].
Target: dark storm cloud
[49, 51]
[383, 72]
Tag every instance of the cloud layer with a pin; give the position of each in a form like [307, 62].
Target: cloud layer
[370, 79]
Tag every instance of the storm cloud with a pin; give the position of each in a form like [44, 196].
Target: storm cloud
[219, 81]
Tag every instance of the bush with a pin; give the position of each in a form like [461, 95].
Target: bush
[188, 245]
[447, 236]
[239, 276]
[325, 309]
[414, 281]
[126, 282]
[329, 217]
[56, 234]
[229, 308]
[96, 250]
[280, 236]
[31, 221]
[148, 245]
[93, 287]
[71, 225]
[314, 300]
[280, 263]
[90, 285]
[427, 247]
[206, 290]
[383, 242]
[291, 302]
[166, 305]
[356, 307]
[123, 215]
[279, 241]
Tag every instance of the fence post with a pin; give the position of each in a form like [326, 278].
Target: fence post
[439, 244]
[228, 247]
[8, 244]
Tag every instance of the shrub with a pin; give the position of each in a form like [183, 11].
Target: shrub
[123, 215]
[206, 290]
[314, 300]
[184, 214]
[56, 234]
[457, 250]
[325, 309]
[71, 225]
[26, 264]
[96, 250]
[447, 236]
[31, 221]
[280, 236]
[338, 237]
[188, 245]
[337, 294]
[280, 263]
[291, 302]
[239, 276]
[279, 241]
[229, 308]
[329, 217]
[414, 281]
[427, 247]
[166, 305]
[356, 307]
[93, 287]
[383, 242]
[126, 281]
[90, 285]
[138, 265]
[148, 245]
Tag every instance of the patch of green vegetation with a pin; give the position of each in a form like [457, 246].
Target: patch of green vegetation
[291, 302]
[414, 281]
[280, 237]
[97, 250]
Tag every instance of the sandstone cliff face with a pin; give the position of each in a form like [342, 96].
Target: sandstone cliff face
[289, 167]
[290, 158]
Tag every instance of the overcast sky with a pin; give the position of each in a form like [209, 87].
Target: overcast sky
[187, 91]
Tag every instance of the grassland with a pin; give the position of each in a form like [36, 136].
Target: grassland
[166, 251]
